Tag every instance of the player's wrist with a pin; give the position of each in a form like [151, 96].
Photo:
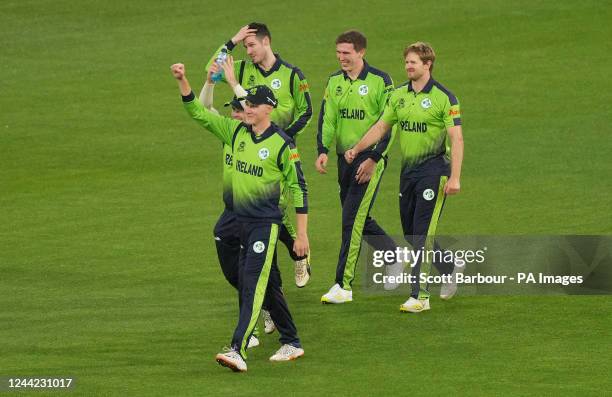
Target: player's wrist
[188, 97]
[375, 156]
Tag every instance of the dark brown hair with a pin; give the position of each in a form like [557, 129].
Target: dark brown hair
[357, 39]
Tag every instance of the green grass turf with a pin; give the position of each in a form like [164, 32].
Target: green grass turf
[108, 194]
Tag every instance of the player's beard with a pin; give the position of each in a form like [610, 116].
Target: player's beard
[415, 75]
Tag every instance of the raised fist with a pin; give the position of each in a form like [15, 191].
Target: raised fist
[178, 71]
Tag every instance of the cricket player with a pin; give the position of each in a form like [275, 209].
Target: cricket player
[424, 114]
[226, 231]
[354, 99]
[294, 109]
[288, 83]
[264, 159]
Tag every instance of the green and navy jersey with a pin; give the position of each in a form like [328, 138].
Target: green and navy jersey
[351, 107]
[228, 164]
[263, 165]
[421, 121]
[294, 109]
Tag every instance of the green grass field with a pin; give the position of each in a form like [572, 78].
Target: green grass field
[108, 196]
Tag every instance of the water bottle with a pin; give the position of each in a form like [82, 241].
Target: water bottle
[221, 57]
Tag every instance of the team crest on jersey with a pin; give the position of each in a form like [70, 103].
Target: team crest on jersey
[241, 146]
[264, 153]
[428, 194]
[259, 247]
[363, 89]
[251, 80]
[426, 103]
[338, 91]
[276, 84]
[401, 103]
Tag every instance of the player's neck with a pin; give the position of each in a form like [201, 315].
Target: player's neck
[419, 84]
[261, 127]
[353, 74]
[268, 61]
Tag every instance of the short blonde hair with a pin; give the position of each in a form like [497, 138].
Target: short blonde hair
[423, 50]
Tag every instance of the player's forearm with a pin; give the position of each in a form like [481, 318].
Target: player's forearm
[327, 129]
[184, 86]
[217, 125]
[206, 95]
[301, 221]
[324, 141]
[375, 134]
[382, 146]
[303, 119]
[456, 152]
[239, 91]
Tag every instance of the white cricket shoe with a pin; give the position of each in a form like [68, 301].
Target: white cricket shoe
[287, 353]
[269, 326]
[415, 305]
[231, 359]
[448, 290]
[302, 272]
[337, 294]
[394, 272]
[253, 342]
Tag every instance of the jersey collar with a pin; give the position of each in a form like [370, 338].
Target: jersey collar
[266, 134]
[273, 69]
[362, 75]
[426, 89]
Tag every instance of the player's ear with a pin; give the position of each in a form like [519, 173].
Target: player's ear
[266, 41]
[362, 52]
